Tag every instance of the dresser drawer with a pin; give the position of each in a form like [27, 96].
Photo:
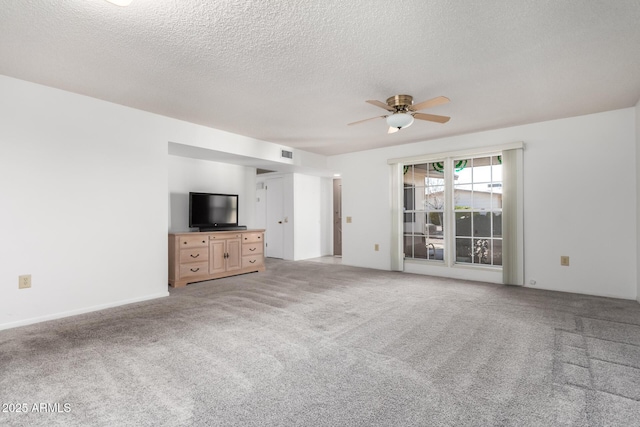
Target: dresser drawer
[252, 238]
[252, 261]
[194, 255]
[252, 248]
[193, 241]
[194, 269]
[224, 236]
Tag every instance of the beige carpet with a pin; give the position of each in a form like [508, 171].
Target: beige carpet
[311, 344]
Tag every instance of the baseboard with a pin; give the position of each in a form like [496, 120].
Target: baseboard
[70, 313]
[578, 292]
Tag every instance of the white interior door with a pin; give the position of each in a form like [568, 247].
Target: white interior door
[274, 235]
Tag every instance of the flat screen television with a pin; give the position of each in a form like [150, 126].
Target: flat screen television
[209, 211]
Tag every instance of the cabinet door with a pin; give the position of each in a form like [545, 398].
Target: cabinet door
[217, 249]
[234, 257]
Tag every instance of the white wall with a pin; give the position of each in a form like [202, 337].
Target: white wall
[326, 216]
[366, 198]
[83, 199]
[289, 217]
[261, 204]
[638, 193]
[83, 204]
[569, 165]
[312, 212]
[186, 174]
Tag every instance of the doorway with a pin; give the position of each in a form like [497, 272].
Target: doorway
[337, 217]
[274, 235]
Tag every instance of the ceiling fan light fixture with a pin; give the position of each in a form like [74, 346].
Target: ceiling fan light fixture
[401, 111]
[400, 120]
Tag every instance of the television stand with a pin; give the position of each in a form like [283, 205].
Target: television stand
[194, 257]
[224, 228]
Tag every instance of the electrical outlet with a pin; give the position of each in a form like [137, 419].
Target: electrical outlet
[376, 247]
[24, 281]
[348, 220]
[532, 282]
[564, 260]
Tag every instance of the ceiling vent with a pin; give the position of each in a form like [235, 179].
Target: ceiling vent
[287, 154]
[260, 171]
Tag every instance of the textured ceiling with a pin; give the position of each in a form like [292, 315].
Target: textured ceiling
[296, 72]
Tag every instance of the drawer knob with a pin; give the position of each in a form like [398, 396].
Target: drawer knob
[195, 256]
[194, 270]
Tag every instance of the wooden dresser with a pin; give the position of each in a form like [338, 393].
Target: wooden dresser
[194, 257]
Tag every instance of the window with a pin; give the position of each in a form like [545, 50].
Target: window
[424, 203]
[460, 209]
[477, 196]
[474, 203]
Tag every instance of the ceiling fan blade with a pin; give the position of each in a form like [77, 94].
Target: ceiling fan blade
[430, 103]
[392, 129]
[366, 120]
[431, 117]
[380, 104]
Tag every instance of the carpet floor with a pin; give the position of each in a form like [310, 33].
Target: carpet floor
[311, 344]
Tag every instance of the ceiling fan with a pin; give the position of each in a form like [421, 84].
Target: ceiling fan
[403, 111]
